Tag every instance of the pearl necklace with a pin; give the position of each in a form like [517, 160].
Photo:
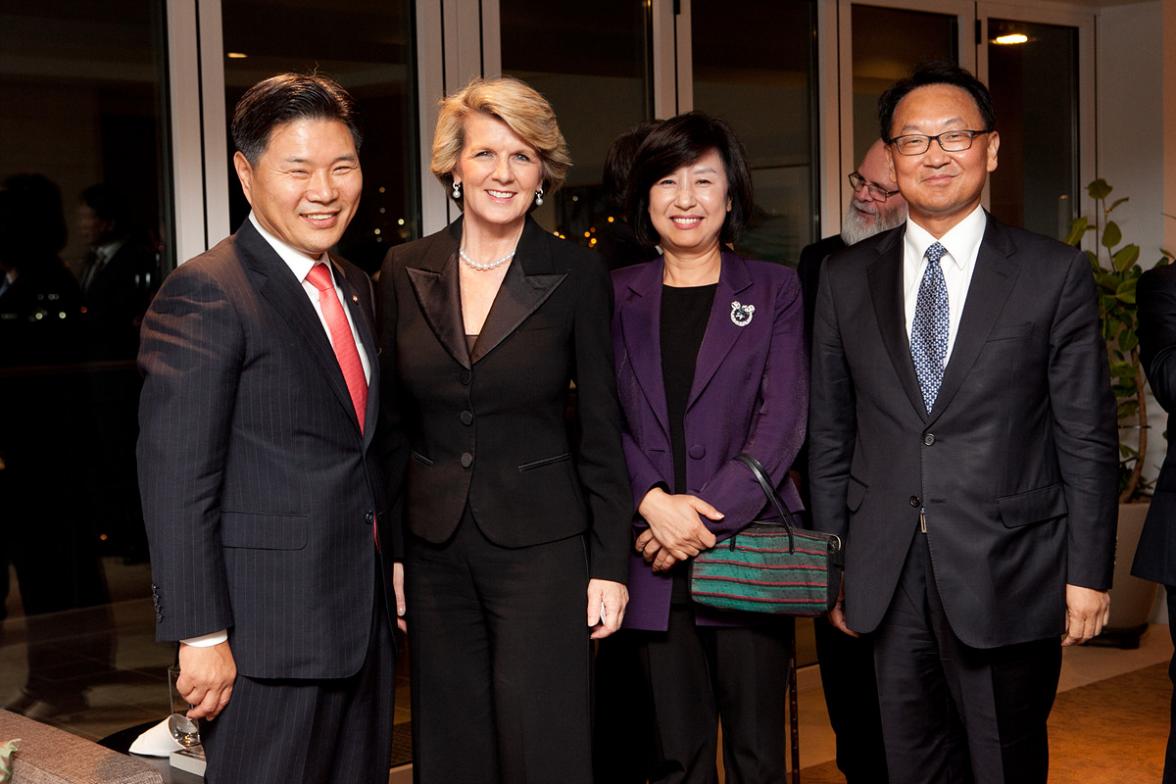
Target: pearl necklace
[489, 265]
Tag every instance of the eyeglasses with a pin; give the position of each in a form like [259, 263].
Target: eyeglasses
[949, 141]
[877, 192]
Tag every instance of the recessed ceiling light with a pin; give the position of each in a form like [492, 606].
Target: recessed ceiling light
[1011, 39]
[236, 55]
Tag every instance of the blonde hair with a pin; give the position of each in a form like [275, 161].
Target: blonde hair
[520, 107]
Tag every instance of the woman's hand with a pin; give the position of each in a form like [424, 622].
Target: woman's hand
[655, 555]
[606, 606]
[676, 523]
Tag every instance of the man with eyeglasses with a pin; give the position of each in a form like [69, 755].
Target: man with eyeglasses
[963, 442]
[847, 663]
[876, 206]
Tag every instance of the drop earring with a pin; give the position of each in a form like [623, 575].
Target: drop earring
[539, 196]
[456, 190]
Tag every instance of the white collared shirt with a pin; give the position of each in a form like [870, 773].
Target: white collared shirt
[301, 264]
[963, 245]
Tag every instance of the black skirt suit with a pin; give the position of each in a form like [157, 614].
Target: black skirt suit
[507, 516]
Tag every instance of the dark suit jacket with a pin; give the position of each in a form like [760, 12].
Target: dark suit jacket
[809, 270]
[258, 486]
[487, 429]
[750, 394]
[1017, 462]
[1155, 558]
[116, 300]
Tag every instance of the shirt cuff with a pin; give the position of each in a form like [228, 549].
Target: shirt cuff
[208, 640]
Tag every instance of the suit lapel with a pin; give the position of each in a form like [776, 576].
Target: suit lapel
[437, 287]
[529, 281]
[992, 281]
[641, 331]
[721, 330]
[279, 287]
[885, 282]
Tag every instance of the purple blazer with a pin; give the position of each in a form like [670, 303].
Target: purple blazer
[750, 394]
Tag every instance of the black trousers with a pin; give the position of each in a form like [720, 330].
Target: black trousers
[699, 674]
[953, 713]
[335, 731]
[851, 695]
[500, 660]
[1170, 754]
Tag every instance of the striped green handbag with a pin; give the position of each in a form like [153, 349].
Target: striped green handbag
[776, 568]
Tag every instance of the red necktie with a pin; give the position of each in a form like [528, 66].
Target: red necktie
[345, 350]
[341, 338]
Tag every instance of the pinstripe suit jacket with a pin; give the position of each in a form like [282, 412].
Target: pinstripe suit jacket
[258, 485]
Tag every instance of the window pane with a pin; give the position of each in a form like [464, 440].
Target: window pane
[757, 70]
[85, 233]
[1035, 91]
[591, 61]
[878, 62]
[366, 45]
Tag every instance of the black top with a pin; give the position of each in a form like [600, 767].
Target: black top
[684, 313]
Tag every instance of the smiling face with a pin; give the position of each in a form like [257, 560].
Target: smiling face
[498, 172]
[305, 187]
[867, 215]
[689, 205]
[941, 188]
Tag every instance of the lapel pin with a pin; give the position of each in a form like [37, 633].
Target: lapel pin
[741, 314]
[355, 298]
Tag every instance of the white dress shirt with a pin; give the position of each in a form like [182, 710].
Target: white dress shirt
[962, 242]
[300, 265]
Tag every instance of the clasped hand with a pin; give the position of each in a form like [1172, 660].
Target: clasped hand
[676, 528]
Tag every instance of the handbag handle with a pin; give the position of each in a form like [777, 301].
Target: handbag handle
[762, 477]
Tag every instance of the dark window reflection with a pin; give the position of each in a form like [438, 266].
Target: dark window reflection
[1034, 86]
[757, 70]
[85, 235]
[368, 47]
[592, 62]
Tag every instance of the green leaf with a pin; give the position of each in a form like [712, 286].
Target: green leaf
[1128, 409]
[1126, 291]
[1125, 257]
[1128, 341]
[1112, 235]
[1099, 189]
[1116, 203]
[1077, 229]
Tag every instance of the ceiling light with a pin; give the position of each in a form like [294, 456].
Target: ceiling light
[1011, 39]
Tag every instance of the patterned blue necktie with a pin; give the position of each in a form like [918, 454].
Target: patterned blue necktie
[929, 330]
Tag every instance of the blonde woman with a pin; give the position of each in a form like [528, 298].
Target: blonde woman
[516, 534]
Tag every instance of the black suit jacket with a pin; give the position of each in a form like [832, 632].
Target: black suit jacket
[488, 428]
[116, 300]
[258, 486]
[809, 271]
[1155, 557]
[1016, 465]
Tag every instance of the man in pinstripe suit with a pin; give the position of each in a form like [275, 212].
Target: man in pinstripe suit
[261, 486]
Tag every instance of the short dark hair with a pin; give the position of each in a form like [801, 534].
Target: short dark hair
[284, 98]
[618, 162]
[935, 72]
[106, 202]
[680, 141]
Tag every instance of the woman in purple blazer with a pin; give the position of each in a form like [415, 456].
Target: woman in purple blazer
[710, 363]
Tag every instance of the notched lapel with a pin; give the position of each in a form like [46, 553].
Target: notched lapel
[885, 279]
[518, 297]
[641, 332]
[279, 287]
[721, 331]
[438, 291]
[993, 279]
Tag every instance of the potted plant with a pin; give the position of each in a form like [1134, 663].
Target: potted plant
[1116, 269]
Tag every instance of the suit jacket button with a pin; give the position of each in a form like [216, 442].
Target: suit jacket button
[929, 439]
[697, 451]
[369, 517]
[916, 501]
[467, 459]
[466, 417]
[465, 378]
